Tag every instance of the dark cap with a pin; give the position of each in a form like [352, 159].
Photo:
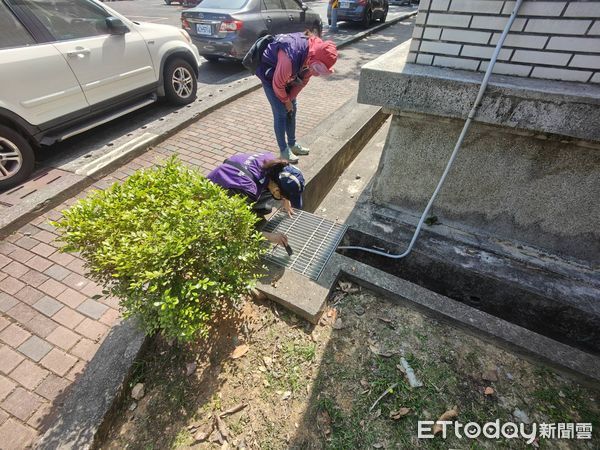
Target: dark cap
[291, 183]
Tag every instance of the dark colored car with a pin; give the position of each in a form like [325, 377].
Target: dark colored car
[228, 28]
[363, 11]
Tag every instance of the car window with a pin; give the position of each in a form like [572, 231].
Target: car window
[291, 4]
[68, 19]
[222, 4]
[272, 4]
[12, 32]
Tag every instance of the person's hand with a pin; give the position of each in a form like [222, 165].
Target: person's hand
[287, 206]
[276, 238]
[289, 106]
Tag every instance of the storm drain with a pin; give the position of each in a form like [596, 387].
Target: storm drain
[313, 240]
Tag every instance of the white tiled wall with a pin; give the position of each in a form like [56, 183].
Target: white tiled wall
[549, 39]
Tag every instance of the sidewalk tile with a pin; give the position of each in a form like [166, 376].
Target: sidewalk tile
[11, 285]
[22, 313]
[15, 268]
[58, 361]
[43, 417]
[76, 371]
[43, 249]
[9, 359]
[92, 289]
[35, 348]
[44, 236]
[92, 329]
[26, 242]
[16, 436]
[77, 266]
[61, 258]
[34, 278]
[41, 325]
[71, 298]
[92, 308]
[7, 302]
[22, 255]
[4, 323]
[29, 374]
[52, 387]
[85, 349]
[63, 338]
[22, 403]
[68, 318]
[14, 335]
[110, 317]
[38, 263]
[6, 248]
[29, 295]
[57, 272]
[48, 306]
[6, 387]
[52, 287]
[76, 282]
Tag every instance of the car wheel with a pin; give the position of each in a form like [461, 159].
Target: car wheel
[367, 18]
[180, 82]
[168, 2]
[16, 158]
[384, 16]
[211, 58]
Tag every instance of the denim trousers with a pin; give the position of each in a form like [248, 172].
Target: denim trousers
[281, 124]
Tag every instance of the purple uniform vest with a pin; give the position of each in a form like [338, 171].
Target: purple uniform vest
[234, 179]
[295, 45]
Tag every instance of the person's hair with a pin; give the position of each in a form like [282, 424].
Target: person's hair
[273, 167]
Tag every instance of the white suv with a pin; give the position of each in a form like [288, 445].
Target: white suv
[69, 65]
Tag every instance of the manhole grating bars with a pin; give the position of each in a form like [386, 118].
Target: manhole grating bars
[313, 240]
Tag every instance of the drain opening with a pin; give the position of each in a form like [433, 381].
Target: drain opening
[313, 240]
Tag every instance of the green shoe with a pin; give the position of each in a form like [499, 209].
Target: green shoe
[299, 150]
[287, 154]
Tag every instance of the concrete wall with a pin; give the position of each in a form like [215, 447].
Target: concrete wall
[557, 40]
[543, 193]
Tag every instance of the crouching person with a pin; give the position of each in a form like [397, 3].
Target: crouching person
[261, 177]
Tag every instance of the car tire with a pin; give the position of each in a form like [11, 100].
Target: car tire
[384, 16]
[14, 171]
[367, 19]
[211, 58]
[180, 82]
[167, 2]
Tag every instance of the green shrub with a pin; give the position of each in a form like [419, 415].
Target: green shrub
[171, 245]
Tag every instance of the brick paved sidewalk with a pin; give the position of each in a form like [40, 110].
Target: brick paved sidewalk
[53, 319]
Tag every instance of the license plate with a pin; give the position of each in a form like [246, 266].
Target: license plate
[345, 5]
[205, 29]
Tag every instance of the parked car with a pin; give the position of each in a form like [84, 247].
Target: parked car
[228, 28]
[363, 11]
[186, 3]
[69, 65]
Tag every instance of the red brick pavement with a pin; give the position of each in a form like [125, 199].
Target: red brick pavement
[53, 318]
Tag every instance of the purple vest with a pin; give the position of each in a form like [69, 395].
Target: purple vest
[230, 177]
[295, 45]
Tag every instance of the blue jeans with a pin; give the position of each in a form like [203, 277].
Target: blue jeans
[282, 125]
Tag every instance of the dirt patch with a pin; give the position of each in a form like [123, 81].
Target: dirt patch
[314, 387]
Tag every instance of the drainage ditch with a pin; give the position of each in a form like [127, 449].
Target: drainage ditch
[502, 298]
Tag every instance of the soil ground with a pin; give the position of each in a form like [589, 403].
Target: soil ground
[312, 387]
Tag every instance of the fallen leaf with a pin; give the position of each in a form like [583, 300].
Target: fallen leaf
[489, 391]
[376, 414]
[190, 368]
[448, 415]
[490, 375]
[378, 445]
[347, 287]
[286, 395]
[268, 361]
[240, 351]
[396, 415]
[364, 383]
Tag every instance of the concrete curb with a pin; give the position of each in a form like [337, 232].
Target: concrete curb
[36, 204]
[85, 414]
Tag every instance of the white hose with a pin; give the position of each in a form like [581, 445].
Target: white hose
[458, 145]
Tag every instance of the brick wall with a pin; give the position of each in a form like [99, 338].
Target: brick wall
[557, 40]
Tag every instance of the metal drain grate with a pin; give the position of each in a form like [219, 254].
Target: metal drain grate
[312, 238]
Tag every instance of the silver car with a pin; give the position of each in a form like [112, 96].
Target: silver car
[228, 28]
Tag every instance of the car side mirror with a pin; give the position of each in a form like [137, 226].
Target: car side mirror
[304, 7]
[116, 25]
